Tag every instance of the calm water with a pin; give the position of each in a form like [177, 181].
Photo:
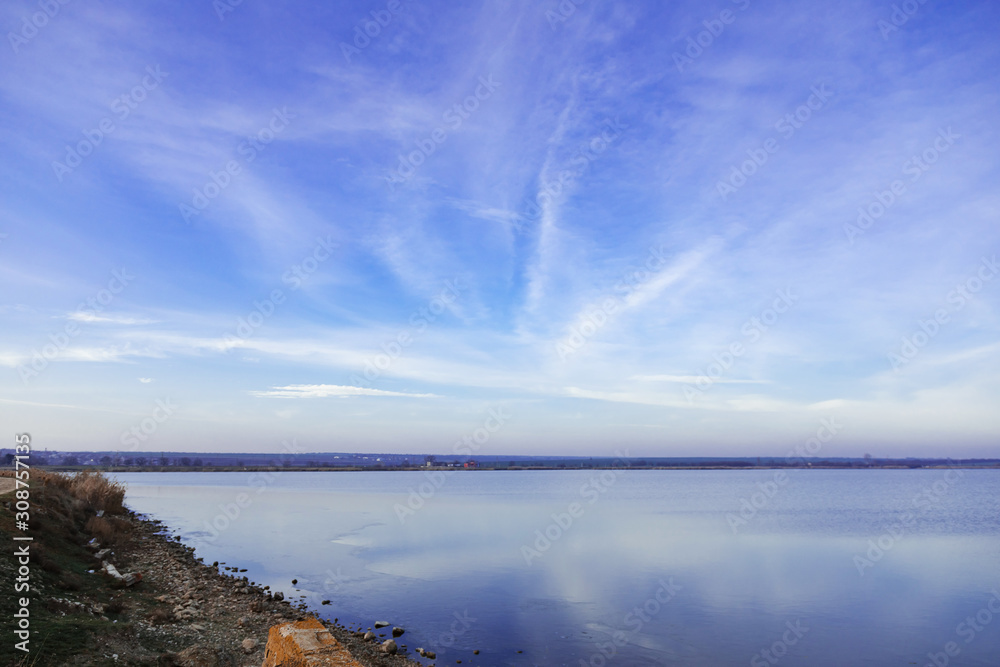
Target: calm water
[868, 567]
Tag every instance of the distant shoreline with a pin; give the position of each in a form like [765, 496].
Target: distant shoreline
[258, 469]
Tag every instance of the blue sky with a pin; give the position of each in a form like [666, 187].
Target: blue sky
[678, 228]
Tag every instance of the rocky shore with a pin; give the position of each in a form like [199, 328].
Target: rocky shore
[113, 589]
[203, 615]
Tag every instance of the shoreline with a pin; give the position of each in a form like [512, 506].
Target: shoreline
[108, 586]
[260, 469]
[229, 608]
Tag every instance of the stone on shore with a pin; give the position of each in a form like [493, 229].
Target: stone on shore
[307, 643]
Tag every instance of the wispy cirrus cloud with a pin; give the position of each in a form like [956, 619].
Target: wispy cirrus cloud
[93, 318]
[330, 391]
[693, 379]
[530, 277]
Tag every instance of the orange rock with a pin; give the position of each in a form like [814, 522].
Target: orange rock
[305, 644]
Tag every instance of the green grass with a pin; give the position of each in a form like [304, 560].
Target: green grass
[60, 508]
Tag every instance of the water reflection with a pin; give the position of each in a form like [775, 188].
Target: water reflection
[591, 587]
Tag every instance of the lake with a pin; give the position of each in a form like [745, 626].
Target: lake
[624, 567]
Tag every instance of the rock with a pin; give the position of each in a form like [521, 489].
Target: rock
[279, 596]
[294, 581]
[369, 636]
[389, 646]
[249, 644]
[242, 621]
[381, 624]
[304, 643]
[197, 628]
[112, 571]
[197, 656]
[397, 631]
[326, 602]
[476, 652]
[430, 655]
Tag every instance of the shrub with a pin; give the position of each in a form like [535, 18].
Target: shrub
[109, 531]
[98, 492]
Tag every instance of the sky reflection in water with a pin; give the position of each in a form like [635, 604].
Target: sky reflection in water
[651, 555]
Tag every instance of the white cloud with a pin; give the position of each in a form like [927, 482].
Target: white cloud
[693, 379]
[329, 390]
[91, 318]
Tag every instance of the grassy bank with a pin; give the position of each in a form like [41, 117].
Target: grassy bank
[62, 518]
[182, 611]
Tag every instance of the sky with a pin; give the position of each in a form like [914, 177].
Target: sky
[687, 228]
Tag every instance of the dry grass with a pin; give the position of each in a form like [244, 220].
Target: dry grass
[92, 489]
[110, 531]
[98, 492]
